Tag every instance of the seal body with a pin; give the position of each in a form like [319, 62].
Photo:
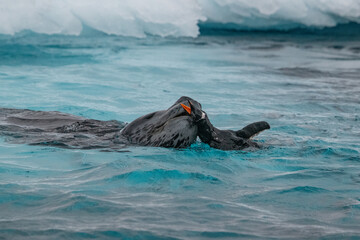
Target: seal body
[176, 127]
[59, 129]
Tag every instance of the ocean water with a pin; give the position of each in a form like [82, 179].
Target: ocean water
[304, 183]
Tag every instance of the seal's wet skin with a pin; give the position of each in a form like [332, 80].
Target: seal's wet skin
[176, 127]
[58, 129]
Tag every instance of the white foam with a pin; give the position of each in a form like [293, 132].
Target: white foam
[138, 18]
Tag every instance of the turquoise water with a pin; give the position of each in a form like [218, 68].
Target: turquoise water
[303, 183]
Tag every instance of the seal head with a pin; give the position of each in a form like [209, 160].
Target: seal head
[175, 127]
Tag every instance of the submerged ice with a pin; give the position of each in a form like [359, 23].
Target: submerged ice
[138, 18]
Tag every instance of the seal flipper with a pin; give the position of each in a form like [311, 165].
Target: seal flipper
[252, 129]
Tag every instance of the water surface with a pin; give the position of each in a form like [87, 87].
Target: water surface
[303, 183]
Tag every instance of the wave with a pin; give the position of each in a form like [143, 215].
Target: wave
[136, 18]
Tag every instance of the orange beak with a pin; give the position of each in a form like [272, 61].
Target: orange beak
[188, 109]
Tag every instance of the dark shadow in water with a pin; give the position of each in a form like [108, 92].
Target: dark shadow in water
[302, 72]
[340, 31]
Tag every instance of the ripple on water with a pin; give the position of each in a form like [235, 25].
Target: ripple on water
[303, 183]
[157, 179]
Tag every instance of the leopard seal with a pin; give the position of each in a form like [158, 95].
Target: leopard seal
[176, 127]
